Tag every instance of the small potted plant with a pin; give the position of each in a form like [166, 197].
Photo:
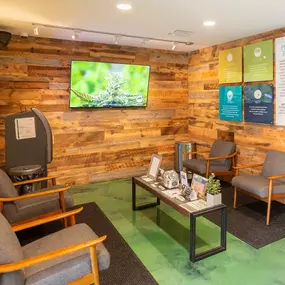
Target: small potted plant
[213, 190]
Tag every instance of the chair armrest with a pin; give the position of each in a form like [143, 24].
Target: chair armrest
[48, 256]
[197, 152]
[35, 180]
[275, 177]
[37, 194]
[248, 166]
[46, 220]
[221, 157]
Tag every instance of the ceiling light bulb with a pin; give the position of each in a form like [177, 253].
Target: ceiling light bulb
[173, 46]
[36, 30]
[124, 5]
[209, 23]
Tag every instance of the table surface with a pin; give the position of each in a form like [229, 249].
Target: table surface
[173, 202]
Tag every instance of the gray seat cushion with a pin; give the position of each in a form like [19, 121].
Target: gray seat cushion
[274, 164]
[200, 165]
[257, 185]
[221, 148]
[67, 268]
[33, 207]
[7, 189]
[10, 251]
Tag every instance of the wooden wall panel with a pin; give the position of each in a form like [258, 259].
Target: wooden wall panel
[93, 145]
[253, 140]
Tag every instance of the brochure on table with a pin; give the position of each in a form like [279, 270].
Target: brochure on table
[280, 81]
[195, 206]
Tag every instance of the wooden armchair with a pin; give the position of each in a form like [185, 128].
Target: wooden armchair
[220, 161]
[268, 186]
[71, 256]
[20, 209]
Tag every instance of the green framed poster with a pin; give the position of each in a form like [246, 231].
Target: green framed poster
[230, 66]
[258, 61]
[230, 103]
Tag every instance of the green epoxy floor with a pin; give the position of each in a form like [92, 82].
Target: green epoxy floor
[164, 249]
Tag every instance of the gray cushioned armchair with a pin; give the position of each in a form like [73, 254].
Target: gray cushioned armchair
[220, 161]
[268, 186]
[73, 255]
[49, 201]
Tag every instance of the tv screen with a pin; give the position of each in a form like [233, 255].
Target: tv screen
[103, 85]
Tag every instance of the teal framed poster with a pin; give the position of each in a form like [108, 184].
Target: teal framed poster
[258, 62]
[230, 103]
[258, 104]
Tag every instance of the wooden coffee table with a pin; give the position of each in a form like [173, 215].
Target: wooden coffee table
[177, 205]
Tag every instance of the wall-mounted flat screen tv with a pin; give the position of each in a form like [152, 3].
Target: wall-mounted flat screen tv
[108, 85]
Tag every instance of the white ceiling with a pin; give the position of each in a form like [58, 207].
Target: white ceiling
[149, 18]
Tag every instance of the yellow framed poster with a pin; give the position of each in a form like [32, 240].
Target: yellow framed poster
[230, 65]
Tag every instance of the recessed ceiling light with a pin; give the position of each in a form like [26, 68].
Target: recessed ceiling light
[209, 23]
[124, 5]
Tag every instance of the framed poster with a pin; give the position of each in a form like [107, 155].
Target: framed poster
[230, 65]
[154, 166]
[280, 81]
[184, 179]
[230, 103]
[25, 128]
[198, 184]
[258, 103]
[258, 61]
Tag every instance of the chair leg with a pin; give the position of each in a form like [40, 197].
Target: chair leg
[269, 202]
[235, 197]
[207, 169]
[268, 213]
[94, 264]
[62, 206]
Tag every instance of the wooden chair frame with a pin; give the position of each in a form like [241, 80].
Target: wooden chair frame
[271, 197]
[209, 159]
[60, 191]
[87, 279]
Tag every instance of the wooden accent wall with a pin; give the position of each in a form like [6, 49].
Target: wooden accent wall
[253, 140]
[91, 144]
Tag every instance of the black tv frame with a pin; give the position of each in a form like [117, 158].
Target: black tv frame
[110, 107]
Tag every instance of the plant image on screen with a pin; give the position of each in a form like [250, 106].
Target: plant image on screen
[97, 84]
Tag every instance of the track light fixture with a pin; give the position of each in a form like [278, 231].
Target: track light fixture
[36, 30]
[143, 40]
[75, 35]
[117, 40]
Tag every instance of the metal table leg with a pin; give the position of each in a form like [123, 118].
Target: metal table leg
[141, 207]
[223, 237]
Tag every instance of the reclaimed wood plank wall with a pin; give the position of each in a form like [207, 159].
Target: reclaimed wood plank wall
[253, 140]
[94, 145]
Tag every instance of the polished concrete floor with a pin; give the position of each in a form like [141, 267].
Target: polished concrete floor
[163, 245]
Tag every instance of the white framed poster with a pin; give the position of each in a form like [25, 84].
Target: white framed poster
[280, 81]
[25, 128]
